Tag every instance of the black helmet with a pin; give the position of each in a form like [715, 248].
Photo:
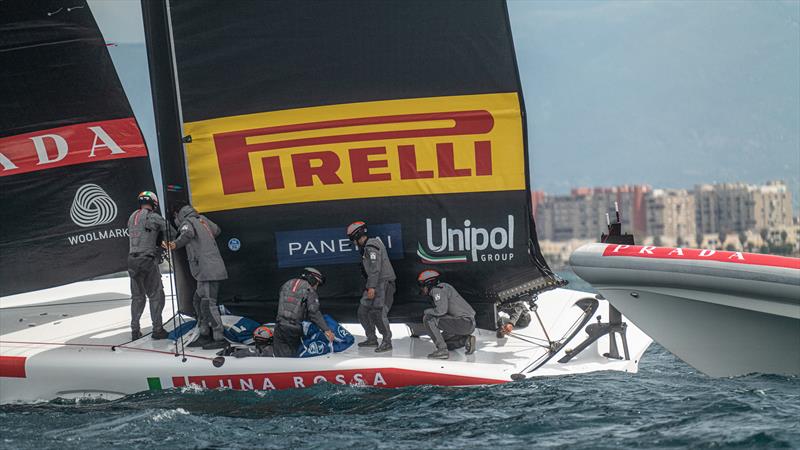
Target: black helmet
[428, 278]
[356, 229]
[148, 198]
[313, 276]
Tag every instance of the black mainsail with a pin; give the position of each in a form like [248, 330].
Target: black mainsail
[72, 158]
[301, 117]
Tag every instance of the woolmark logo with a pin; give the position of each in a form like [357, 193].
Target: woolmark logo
[92, 207]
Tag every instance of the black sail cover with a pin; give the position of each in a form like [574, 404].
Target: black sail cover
[307, 116]
[72, 158]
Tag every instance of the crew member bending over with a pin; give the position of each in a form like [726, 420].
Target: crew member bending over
[451, 321]
[298, 301]
[379, 287]
[198, 234]
[518, 317]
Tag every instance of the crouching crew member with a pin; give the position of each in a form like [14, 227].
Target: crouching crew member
[262, 340]
[451, 321]
[198, 234]
[145, 228]
[298, 301]
[518, 317]
[379, 288]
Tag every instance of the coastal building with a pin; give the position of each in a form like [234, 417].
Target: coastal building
[671, 214]
[738, 207]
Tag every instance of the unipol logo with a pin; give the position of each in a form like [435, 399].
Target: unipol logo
[92, 207]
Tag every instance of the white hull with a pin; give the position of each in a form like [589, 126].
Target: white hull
[719, 314]
[71, 357]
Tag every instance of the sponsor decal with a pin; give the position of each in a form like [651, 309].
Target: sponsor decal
[323, 246]
[234, 244]
[71, 145]
[439, 145]
[92, 207]
[448, 243]
[381, 377]
[648, 251]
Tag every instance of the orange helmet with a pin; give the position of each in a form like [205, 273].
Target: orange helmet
[428, 278]
[262, 335]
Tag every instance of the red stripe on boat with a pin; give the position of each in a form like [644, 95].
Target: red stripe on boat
[12, 366]
[695, 254]
[385, 377]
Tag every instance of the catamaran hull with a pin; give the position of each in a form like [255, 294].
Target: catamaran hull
[723, 316]
[72, 357]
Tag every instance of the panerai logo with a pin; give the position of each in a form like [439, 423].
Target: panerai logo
[481, 244]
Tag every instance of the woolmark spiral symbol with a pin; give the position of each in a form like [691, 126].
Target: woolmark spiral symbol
[92, 206]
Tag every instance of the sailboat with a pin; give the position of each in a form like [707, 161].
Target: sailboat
[283, 122]
[726, 313]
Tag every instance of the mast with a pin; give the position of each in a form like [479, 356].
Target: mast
[163, 85]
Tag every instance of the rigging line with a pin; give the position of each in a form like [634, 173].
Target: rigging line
[109, 346]
[542, 325]
[529, 337]
[86, 302]
[173, 286]
[529, 342]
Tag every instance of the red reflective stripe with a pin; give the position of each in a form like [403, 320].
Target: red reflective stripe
[203, 222]
[136, 219]
[694, 254]
[294, 286]
[12, 366]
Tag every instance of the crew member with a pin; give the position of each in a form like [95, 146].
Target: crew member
[379, 287]
[518, 317]
[451, 321]
[146, 228]
[263, 345]
[298, 301]
[198, 234]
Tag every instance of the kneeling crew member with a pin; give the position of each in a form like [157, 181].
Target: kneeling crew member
[379, 288]
[262, 340]
[144, 227]
[451, 321]
[518, 317]
[298, 302]
[198, 234]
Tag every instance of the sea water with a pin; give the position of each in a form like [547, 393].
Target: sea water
[667, 404]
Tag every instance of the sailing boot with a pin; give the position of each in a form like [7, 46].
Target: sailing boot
[159, 334]
[135, 335]
[368, 343]
[440, 354]
[386, 346]
[201, 341]
[470, 345]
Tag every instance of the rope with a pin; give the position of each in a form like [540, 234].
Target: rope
[173, 286]
[111, 347]
[51, 305]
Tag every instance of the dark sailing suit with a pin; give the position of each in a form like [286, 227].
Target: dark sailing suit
[145, 229]
[198, 234]
[379, 275]
[451, 314]
[518, 315]
[297, 302]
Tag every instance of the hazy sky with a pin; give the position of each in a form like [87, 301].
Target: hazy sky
[669, 93]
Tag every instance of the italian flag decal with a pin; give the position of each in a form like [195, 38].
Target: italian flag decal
[426, 258]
